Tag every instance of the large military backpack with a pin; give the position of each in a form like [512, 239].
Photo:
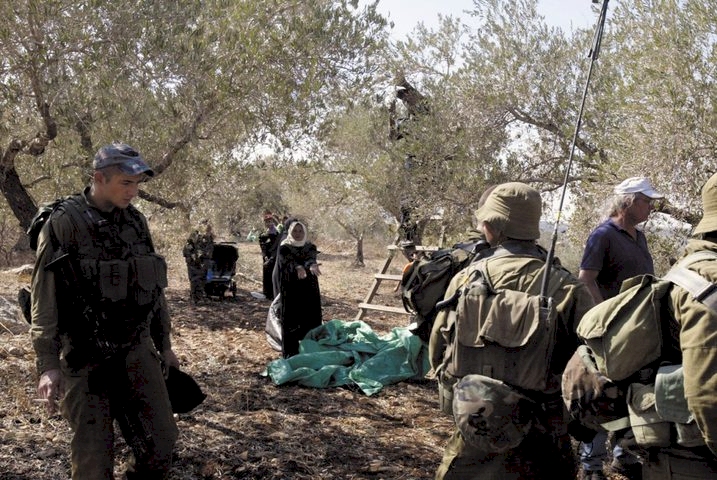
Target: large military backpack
[504, 334]
[626, 333]
[630, 341]
[425, 281]
[43, 214]
[499, 349]
[40, 219]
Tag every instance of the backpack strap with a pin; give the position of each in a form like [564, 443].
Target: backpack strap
[699, 287]
[556, 282]
[77, 210]
[615, 425]
[478, 266]
[701, 290]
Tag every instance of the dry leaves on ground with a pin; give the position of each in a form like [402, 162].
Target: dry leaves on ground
[247, 428]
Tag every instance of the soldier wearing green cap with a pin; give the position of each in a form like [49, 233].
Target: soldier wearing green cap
[507, 428]
[100, 324]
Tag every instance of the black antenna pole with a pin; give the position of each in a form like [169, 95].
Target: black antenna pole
[594, 53]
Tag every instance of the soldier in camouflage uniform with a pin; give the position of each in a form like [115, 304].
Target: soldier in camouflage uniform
[697, 339]
[198, 254]
[535, 448]
[694, 334]
[100, 325]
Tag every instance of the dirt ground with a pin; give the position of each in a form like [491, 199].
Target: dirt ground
[247, 428]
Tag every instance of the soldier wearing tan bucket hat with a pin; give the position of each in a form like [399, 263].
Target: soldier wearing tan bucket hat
[697, 324]
[498, 433]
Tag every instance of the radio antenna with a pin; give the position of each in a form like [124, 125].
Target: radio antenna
[593, 54]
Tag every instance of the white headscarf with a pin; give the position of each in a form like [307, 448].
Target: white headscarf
[289, 240]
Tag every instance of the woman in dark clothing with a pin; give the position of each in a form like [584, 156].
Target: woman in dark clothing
[299, 288]
[284, 231]
[269, 242]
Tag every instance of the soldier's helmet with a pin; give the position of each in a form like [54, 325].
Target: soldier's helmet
[491, 415]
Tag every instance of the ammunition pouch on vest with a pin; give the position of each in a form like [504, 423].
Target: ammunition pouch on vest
[658, 413]
[136, 281]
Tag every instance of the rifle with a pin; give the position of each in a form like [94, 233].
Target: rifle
[593, 54]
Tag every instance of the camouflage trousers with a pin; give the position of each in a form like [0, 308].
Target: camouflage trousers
[538, 456]
[136, 396]
[197, 279]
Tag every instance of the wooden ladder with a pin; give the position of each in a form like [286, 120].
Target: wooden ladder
[382, 275]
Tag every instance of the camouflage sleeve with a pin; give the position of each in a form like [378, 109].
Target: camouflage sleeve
[698, 341]
[44, 331]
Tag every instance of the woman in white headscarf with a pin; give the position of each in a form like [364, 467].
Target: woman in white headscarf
[299, 288]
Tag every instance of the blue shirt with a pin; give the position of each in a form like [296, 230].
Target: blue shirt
[616, 256]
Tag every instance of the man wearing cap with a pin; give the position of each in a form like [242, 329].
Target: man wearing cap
[615, 251]
[697, 323]
[508, 410]
[100, 324]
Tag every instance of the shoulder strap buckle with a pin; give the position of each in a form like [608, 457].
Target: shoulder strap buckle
[699, 287]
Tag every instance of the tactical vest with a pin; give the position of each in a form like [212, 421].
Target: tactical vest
[117, 272]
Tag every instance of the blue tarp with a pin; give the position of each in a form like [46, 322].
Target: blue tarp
[351, 353]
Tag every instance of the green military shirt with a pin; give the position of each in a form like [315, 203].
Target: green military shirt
[698, 341]
[47, 340]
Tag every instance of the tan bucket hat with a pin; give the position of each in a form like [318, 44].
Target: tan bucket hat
[516, 204]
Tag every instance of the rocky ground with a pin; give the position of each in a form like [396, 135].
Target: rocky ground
[247, 427]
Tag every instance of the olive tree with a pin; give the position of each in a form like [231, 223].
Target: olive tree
[187, 83]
